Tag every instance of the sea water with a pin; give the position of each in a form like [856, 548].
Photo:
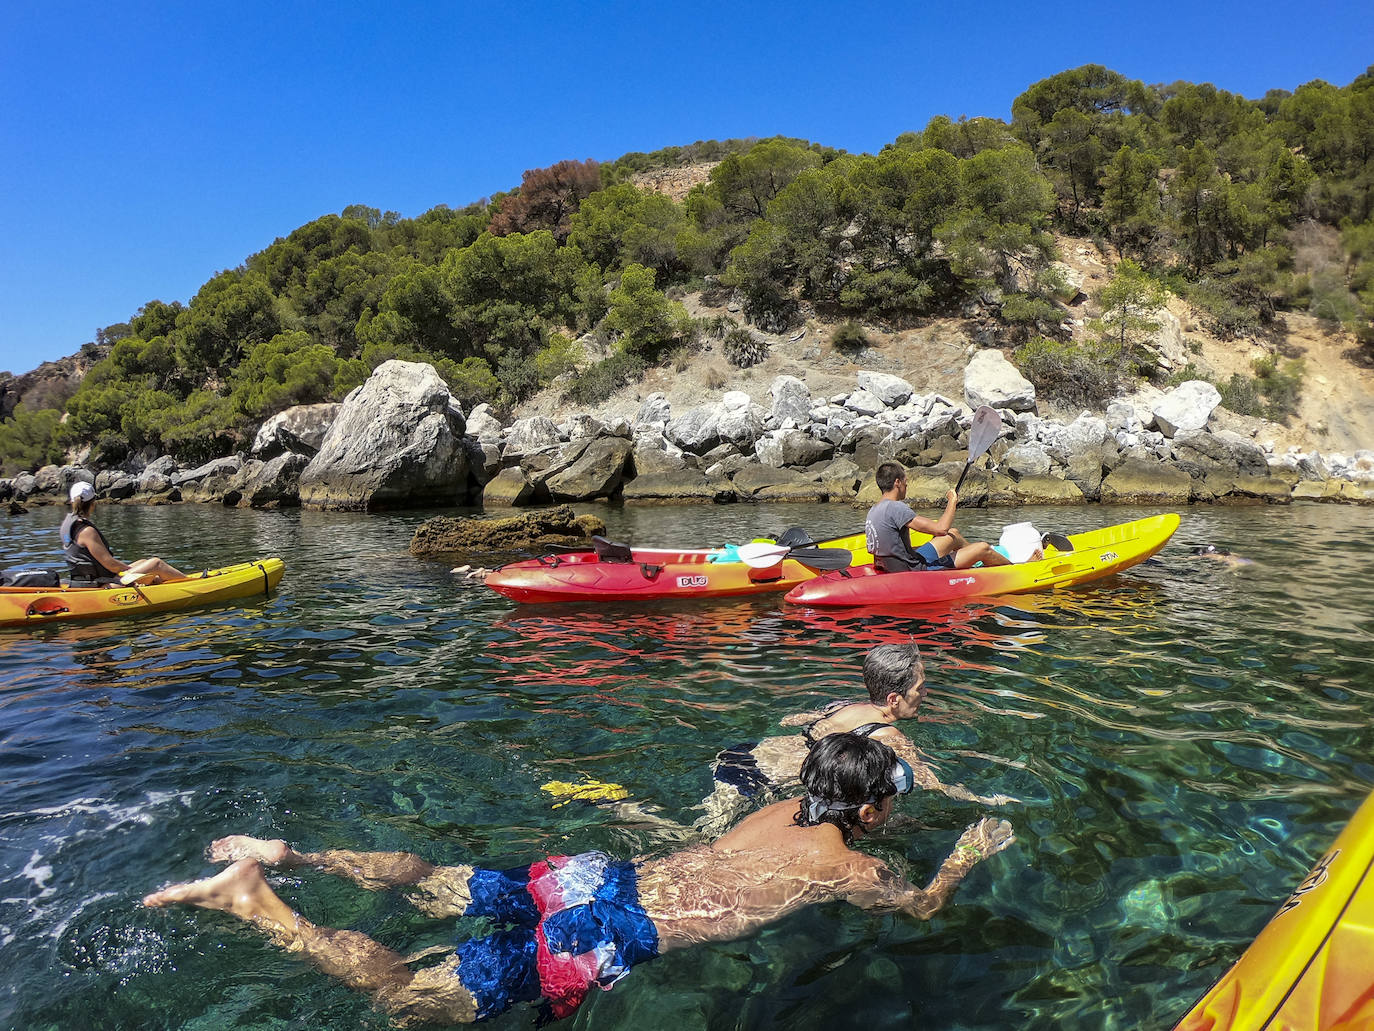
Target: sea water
[1186, 739]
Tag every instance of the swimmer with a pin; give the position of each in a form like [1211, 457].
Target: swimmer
[571, 923]
[895, 677]
[471, 572]
[1222, 555]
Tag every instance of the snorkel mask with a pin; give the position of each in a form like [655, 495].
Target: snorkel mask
[901, 777]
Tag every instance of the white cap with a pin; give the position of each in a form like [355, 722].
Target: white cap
[81, 491]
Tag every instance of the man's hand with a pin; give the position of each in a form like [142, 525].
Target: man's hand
[985, 838]
[951, 498]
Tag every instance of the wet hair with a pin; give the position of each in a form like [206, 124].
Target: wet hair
[845, 771]
[1210, 549]
[890, 669]
[887, 475]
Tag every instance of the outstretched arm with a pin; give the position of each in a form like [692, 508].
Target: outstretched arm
[985, 838]
[925, 774]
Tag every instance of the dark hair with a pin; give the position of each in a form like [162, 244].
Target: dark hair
[887, 475]
[1210, 549]
[890, 669]
[848, 769]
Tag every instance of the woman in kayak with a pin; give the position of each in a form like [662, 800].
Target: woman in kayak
[89, 560]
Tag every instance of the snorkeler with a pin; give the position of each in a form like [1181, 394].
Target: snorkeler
[577, 922]
[1222, 555]
[895, 677]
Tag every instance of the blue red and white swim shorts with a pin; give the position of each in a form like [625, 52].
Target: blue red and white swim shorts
[578, 923]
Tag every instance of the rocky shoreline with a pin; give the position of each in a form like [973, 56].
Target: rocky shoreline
[400, 440]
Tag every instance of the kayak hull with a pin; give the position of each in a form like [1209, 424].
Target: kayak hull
[1310, 967]
[652, 574]
[1095, 554]
[32, 606]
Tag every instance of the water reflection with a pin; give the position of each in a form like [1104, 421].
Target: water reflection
[1186, 740]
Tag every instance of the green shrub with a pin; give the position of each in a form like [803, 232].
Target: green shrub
[849, 336]
[1030, 311]
[1272, 392]
[742, 349]
[31, 440]
[1075, 373]
[598, 382]
[1223, 314]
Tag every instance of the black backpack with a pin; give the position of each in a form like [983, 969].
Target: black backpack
[29, 576]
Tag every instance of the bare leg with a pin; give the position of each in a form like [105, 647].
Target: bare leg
[439, 890]
[162, 571]
[352, 957]
[983, 552]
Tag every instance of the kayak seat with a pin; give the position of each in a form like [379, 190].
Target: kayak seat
[795, 537]
[1057, 541]
[611, 551]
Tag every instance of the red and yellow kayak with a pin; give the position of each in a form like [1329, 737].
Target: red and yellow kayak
[653, 573]
[1312, 967]
[1095, 554]
[39, 606]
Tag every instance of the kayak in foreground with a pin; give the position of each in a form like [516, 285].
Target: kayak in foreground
[1093, 554]
[1312, 966]
[33, 606]
[617, 573]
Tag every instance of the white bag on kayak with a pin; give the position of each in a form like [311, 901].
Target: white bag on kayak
[1019, 541]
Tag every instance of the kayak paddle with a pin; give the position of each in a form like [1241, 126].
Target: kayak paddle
[986, 426]
[762, 554]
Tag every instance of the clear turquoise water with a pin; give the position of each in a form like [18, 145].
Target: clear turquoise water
[1187, 740]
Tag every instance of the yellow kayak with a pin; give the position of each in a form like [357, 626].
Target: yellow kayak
[36, 606]
[1312, 967]
[1089, 556]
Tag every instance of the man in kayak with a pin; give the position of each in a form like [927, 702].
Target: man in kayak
[890, 521]
[571, 923]
[89, 561]
[895, 676]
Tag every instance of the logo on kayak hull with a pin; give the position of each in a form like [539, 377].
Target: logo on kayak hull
[691, 581]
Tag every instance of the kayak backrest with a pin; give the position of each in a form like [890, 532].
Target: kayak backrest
[611, 551]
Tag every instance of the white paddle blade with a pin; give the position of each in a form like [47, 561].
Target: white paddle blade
[761, 555]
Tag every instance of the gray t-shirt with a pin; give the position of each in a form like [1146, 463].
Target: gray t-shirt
[887, 537]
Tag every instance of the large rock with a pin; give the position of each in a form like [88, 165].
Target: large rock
[791, 447]
[890, 390]
[218, 468]
[397, 441]
[508, 487]
[865, 403]
[1137, 481]
[1033, 490]
[759, 483]
[1187, 407]
[654, 410]
[559, 527]
[596, 473]
[482, 424]
[300, 430]
[696, 430]
[739, 422]
[989, 379]
[1026, 460]
[676, 486]
[271, 484]
[526, 436]
[791, 399]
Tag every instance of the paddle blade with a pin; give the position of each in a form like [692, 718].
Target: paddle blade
[823, 558]
[984, 429]
[761, 555]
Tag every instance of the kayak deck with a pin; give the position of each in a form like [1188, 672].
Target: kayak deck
[1095, 554]
[1310, 967]
[653, 573]
[34, 606]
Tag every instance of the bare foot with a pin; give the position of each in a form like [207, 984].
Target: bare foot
[240, 846]
[988, 836]
[240, 889]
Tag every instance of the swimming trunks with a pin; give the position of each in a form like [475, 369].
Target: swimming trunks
[578, 923]
[738, 768]
[932, 558]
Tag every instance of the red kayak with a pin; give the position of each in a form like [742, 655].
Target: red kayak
[643, 574]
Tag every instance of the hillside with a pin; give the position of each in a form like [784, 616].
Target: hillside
[1112, 232]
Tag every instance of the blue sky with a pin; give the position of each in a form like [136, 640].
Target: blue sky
[147, 146]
